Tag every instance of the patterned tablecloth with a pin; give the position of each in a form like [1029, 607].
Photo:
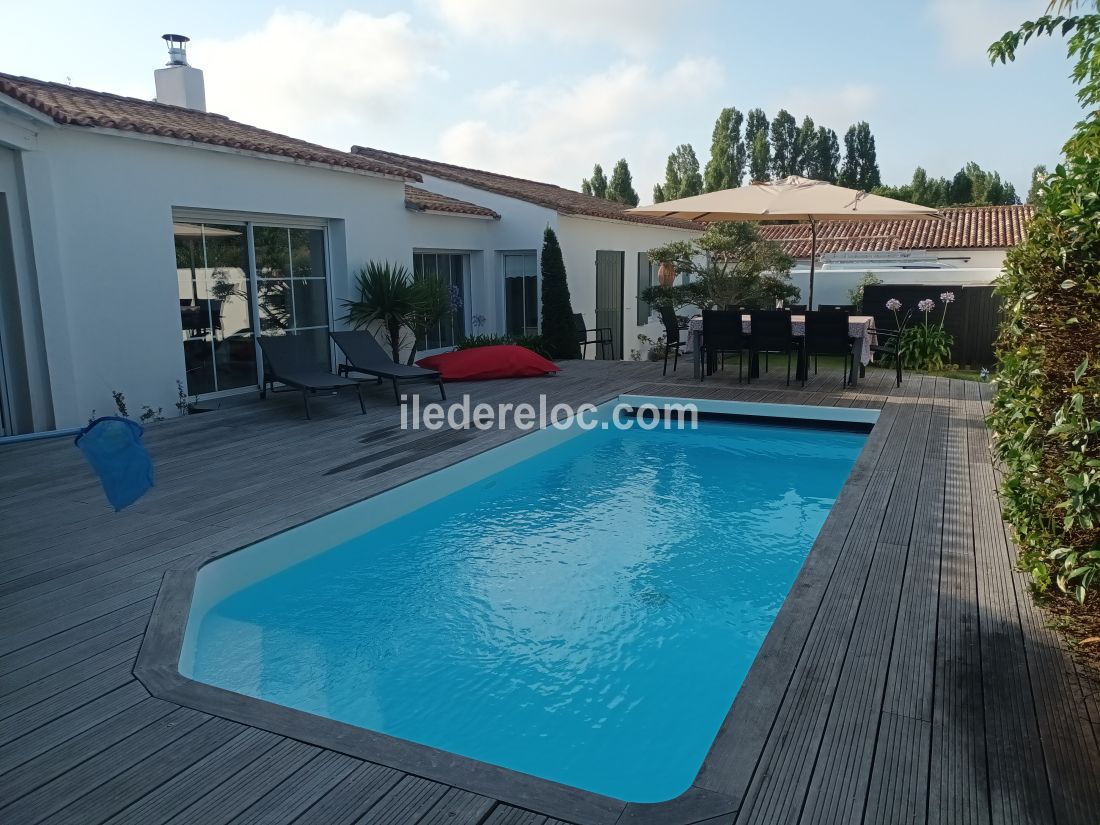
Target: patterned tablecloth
[860, 327]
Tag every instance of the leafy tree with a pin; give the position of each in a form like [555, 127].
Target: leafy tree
[804, 147]
[621, 187]
[784, 134]
[760, 157]
[731, 263]
[849, 171]
[962, 188]
[1046, 412]
[597, 184]
[824, 162]
[1038, 175]
[559, 335]
[869, 176]
[756, 144]
[860, 169]
[682, 178]
[726, 167]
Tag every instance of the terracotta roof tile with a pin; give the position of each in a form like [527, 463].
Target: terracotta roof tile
[74, 106]
[421, 200]
[565, 201]
[964, 227]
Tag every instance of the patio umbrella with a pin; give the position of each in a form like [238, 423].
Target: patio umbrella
[790, 199]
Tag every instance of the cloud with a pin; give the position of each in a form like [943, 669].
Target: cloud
[300, 74]
[556, 132]
[967, 27]
[835, 107]
[632, 25]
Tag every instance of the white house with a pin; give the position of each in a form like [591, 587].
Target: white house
[966, 247]
[145, 243]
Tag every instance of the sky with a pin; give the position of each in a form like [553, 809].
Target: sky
[546, 89]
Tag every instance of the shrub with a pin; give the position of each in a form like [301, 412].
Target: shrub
[855, 294]
[927, 346]
[559, 333]
[535, 343]
[1046, 413]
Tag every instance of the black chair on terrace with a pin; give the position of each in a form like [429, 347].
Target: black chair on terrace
[887, 338]
[290, 360]
[771, 332]
[722, 334]
[365, 355]
[826, 334]
[673, 339]
[597, 335]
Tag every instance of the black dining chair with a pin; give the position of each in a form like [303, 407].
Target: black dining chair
[826, 334]
[673, 339]
[722, 334]
[771, 332]
[596, 335]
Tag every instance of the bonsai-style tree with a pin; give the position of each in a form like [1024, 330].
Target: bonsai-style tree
[1046, 413]
[558, 331]
[730, 263]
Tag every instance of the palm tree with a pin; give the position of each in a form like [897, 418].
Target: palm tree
[386, 297]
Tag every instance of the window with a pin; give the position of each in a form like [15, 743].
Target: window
[452, 270]
[647, 277]
[291, 294]
[521, 293]
[237, 280]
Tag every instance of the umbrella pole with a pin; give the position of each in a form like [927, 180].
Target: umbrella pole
[813, 260]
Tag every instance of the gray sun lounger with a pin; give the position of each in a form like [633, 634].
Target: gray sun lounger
[287, 359]
[364, 354]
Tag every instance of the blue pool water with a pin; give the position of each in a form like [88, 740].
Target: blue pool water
[586, 616]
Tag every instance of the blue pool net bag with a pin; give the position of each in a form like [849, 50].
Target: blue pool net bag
[113, 447]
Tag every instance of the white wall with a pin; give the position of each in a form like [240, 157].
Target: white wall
[106, 260]
[580, 238]
[966, 267]
[100, 208]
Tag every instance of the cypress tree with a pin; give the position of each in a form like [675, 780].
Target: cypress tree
[621, 187]
[558, 331]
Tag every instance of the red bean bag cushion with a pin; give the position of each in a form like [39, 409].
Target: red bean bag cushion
[503, 361]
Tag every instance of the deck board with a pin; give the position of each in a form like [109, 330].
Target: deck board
[926, 688]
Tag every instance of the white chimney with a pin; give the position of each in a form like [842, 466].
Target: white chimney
[179, 83]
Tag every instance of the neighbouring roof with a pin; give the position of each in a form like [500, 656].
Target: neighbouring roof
[73, 106]
[964, 227]
[565, 201]
[421, 200]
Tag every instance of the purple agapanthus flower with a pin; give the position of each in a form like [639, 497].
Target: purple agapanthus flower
[893, 305]
[927, 305]
[947, 297]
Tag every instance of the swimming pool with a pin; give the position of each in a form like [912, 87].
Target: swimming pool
[585, 615]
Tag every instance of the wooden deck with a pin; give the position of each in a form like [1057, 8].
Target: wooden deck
[913, 680]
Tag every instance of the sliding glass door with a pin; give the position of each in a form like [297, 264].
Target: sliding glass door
[215, 306]
[452, 271]
[237, 280]
[290, 285]
[521, 293]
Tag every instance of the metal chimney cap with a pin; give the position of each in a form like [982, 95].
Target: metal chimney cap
[177, 49]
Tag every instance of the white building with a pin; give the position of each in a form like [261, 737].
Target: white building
[967, 247]
[144, 244]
